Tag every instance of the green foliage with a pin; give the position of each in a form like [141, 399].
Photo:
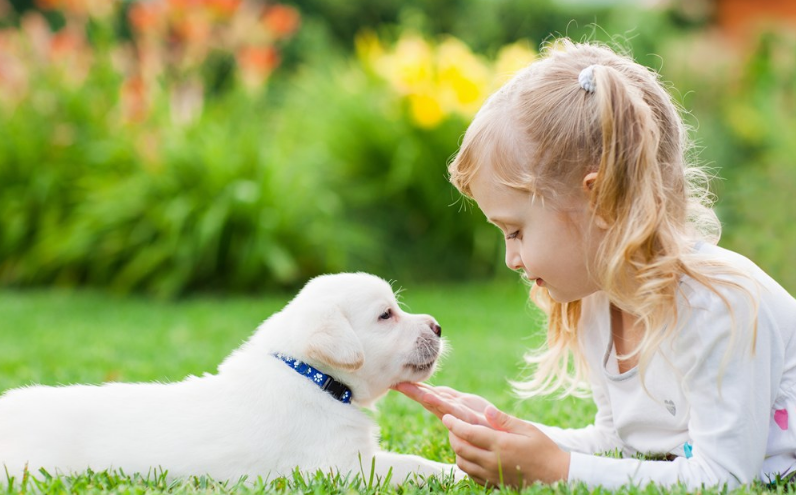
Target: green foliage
[321, 167]
[760, 113]
[483, 24]
[743, 110]
[260, 189]
[387, 175]
[212, 210]
[244, 198]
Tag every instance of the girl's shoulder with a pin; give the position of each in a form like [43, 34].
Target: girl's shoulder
[735, 276]
[740, 289]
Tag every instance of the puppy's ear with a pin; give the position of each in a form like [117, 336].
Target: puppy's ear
[332, 341]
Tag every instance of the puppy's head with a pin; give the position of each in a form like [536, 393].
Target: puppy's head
[350, 325]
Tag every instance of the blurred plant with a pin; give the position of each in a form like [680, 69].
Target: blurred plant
[252, 192]
[270, 177]
[759, 122]
[744, 114]
[96, 184]
[174, 40]
[440, 80]
[177, 47]
[390, 122]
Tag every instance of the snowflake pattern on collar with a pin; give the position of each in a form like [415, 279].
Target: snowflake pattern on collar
[336, 389]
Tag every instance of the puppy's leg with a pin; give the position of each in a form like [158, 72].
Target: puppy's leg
[403, 466]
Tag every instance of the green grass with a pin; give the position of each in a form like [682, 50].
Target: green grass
[60, 337]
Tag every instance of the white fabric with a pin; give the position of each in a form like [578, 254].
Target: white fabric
[735, 431]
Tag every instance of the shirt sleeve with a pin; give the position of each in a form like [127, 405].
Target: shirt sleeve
[593, 439]
[729, 391]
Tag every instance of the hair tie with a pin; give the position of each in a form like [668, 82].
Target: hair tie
[586, 79]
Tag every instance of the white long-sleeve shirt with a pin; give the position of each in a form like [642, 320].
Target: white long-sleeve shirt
[729, 431]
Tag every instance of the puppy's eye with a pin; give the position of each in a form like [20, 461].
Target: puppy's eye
[386, 315]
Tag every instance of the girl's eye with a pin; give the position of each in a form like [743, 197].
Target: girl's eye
[513, 235]
[386, 315]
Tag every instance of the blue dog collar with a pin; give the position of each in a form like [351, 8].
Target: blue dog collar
[336, 389]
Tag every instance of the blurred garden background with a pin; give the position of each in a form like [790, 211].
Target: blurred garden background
[171, 171]
[170, 147]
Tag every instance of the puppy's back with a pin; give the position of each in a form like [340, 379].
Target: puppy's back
[126, 425]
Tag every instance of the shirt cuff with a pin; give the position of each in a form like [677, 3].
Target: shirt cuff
[597, 471]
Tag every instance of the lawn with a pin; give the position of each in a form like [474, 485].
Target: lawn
[61, 337]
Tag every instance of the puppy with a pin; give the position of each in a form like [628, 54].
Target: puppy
[289, 397]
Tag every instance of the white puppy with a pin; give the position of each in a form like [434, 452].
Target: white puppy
[263, 414]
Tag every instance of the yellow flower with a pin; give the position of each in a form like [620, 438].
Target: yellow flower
[426, 110]
[368, 47]
[441, 80]
[463, 78]
[410, 67]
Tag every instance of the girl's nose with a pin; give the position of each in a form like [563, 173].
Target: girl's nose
[513, 258]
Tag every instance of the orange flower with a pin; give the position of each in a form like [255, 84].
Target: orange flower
[64, 43]
[146, 16]
[133, 99]
[223, 8]
[194, 28]
[256, 63]
[182, 5]
[281, 20]
[261, 58]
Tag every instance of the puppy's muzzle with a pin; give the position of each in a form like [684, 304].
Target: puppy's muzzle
[427, 349]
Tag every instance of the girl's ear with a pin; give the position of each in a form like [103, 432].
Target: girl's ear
[588, 182]
[588, 186]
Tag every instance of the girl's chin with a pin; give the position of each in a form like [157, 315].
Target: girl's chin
[559, 297]
[566, 298]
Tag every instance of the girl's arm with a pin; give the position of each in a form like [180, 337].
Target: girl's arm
[596, 438]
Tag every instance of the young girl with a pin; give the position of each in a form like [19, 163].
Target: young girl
[689, 349]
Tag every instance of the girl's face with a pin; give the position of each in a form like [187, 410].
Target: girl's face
[555, 248]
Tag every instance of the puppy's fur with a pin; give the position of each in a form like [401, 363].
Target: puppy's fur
[256, 416]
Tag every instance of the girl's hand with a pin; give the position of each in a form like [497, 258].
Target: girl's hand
[508, 451]
[445, 400]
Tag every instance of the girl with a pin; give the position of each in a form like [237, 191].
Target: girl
[689, 349]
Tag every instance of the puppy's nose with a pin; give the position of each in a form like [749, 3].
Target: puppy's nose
[436, 328]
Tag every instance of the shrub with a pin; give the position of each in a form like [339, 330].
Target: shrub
[132, 173]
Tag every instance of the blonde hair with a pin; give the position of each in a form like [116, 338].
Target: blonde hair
[542, 133]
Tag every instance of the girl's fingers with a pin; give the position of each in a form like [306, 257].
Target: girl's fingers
[411, 390]
[445, 406]
[477, 435]
[438, 401]
[478, 480]
[450, 391]
[473, 470]
[416, 391]
[456, 409]
[427, 397]
[469, 452]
